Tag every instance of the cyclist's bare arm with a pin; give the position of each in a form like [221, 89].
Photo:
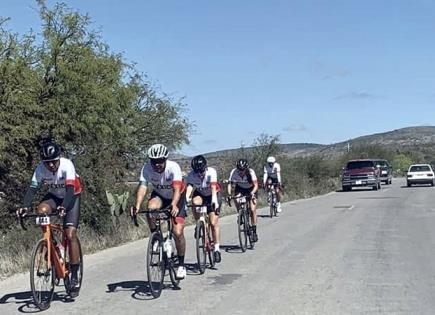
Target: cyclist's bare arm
[189, 191]
[140, 195]
[176, 197]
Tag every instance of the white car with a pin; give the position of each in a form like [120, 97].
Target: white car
[420, 174]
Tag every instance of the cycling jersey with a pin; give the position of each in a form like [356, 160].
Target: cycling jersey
[242, 180]
[273, 172]
[56, 181]
[203, 184]
[165, 182]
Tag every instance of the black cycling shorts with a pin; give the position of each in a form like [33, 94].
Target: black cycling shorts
[274, 180]
[167, 202]
[244, 191]
[73, 210]
[207, 201]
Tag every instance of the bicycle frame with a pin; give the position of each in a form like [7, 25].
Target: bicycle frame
[48, 230]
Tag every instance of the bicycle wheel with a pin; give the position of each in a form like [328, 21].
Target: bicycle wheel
[241, 222]
[171, 263]
[155, 264]
[201, 254]
[67, 279]
[248, 228]
[210, 248]
[42, 277]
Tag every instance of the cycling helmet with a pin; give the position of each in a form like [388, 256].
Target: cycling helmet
[199, 164]
[271, 159]
[158, 151]
[242, 164]
[49, 151]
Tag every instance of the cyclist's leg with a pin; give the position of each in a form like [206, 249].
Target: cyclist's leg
[155, 202]
[70, 225]
[214, 220]
[178, 232]
[253, 210]
[198, 201]
[48, 204]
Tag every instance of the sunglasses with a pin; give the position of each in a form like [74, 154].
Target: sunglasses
[157, 161]
[51, 163]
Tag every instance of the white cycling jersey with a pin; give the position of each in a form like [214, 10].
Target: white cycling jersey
[241, 179]
[203, 184]
[272, 172]
[65, 175]
[165, 182]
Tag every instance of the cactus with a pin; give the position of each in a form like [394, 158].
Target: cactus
[117, 203]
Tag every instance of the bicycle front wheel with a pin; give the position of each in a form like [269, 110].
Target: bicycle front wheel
[42, 277]
[155, 264]
[200, 246]
[210, 247]
[243, 233]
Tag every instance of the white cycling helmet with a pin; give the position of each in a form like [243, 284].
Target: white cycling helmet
[158, 151]
[271, 159]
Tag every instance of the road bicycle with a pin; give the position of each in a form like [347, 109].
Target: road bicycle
[244, 226]
[204, 238]
[50, 261]
[160, 252]
[272, 198]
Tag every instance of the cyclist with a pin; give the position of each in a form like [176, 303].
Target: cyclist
[272, 171]
[245, 183]
[168, 190]
[64, 195]
[203, 188]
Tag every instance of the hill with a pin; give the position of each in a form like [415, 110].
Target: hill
[419, 139]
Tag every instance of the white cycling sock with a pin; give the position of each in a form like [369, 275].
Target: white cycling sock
[216, 247]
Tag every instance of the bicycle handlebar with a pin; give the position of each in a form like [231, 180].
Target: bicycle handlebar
[35, 215]
[162, 214]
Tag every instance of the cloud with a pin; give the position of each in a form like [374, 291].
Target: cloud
[294, 127]
[361, 95]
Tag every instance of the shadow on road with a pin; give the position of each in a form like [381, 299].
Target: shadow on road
[26, 301]
[231, 248]
[417, 186]
[141, 289]
[264, 216]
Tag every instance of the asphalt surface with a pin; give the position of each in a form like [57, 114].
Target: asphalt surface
[358, 252]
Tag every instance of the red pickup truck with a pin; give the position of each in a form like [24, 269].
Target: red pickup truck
[360, 173]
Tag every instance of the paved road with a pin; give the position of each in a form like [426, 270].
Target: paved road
[360, 252]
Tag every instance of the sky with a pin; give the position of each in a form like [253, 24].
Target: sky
[308, 71]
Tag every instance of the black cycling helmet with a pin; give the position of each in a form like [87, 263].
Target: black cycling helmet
[49, 151]
[199, 164]
[242, 164]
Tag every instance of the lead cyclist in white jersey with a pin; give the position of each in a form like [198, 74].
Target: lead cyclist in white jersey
[168, 190]
[64, 191]
[272, 171]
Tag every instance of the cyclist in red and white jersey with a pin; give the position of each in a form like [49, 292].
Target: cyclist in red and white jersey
[244, 181]
[64, 191]
[272, 171]
[165, 178]
[203, 188]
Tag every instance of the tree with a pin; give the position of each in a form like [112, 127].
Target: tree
[69, 86]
